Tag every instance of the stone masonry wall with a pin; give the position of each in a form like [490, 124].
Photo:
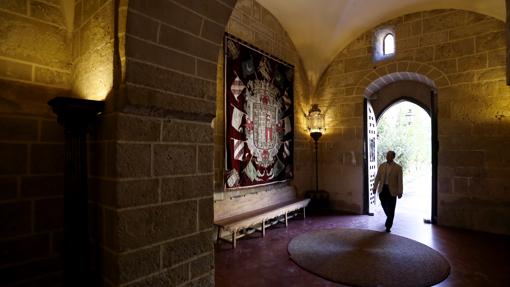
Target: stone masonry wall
[35, 45]
[35, 66]
[31, 187]
[256, 25]
[464, 54]
[154, 176]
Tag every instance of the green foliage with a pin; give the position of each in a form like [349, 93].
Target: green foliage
[408, 136]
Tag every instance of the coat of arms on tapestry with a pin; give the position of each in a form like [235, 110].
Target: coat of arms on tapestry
[259, 116]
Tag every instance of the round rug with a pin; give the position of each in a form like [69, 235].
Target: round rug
[361, 257]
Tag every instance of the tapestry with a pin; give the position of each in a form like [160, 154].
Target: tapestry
[259, 116]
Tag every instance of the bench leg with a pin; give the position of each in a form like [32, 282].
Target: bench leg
[304, 212]
[263, 228]
[218, 236]
[234, 238]
[286, 220]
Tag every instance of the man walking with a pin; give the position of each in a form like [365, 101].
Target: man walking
[388, 182]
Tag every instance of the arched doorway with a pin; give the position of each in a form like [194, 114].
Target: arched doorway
[405, 127]
[421, 93]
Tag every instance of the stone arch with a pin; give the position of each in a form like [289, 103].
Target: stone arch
[394, 77]
[402, 71]
[391, 89]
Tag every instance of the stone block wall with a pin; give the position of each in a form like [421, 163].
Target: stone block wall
[31, 186]
[152, 156]
[34, 43]
[35, 66]
[150, 189]
[255, 25]
[464, 54]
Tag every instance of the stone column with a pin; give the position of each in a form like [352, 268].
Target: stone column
[76, 115]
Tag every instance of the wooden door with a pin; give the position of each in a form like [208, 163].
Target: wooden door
[370, 157]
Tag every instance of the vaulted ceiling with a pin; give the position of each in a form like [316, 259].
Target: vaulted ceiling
[322, 28]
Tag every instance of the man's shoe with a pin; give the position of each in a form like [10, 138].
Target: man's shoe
[388, 230]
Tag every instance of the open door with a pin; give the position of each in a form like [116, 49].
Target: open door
[370, 157]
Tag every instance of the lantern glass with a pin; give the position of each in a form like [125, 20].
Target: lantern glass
[315, 120]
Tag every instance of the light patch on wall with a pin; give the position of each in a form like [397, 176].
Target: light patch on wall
[93, 74]
[95, 85]
[93, 69]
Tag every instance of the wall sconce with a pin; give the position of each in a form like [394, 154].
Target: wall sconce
[315, 126]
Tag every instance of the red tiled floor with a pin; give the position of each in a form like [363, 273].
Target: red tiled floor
[476, 259]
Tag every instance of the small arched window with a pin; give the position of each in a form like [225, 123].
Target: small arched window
[389, 44]
[384, 44]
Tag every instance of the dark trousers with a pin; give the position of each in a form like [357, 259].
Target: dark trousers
[388, 203]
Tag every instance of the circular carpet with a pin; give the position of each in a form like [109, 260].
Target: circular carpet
[360, 257]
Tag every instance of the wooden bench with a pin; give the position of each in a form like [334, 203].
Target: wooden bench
[258, 219]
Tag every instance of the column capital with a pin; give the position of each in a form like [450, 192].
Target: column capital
[76, 114]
